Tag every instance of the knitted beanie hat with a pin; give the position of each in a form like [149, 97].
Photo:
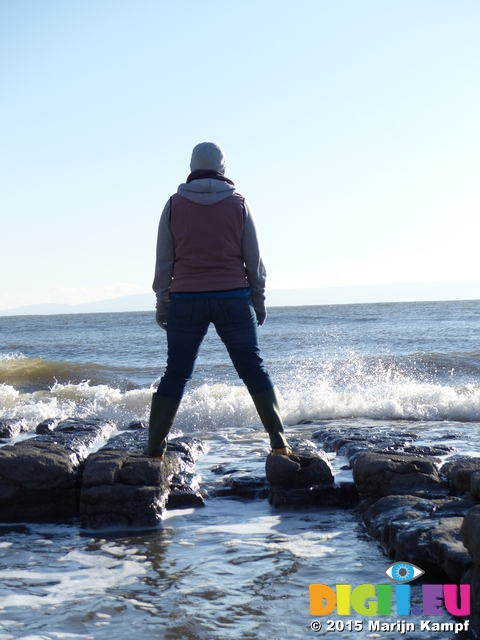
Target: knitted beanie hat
[210, 156]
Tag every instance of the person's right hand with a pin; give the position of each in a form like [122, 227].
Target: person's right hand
[161, 318]
[261, 317]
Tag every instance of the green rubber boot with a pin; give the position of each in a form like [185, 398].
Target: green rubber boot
[267, 407]
[162, 417]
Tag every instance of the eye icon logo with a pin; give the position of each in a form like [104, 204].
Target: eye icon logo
[403, 572]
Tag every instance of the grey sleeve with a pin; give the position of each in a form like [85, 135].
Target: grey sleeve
[252, 257]
[165, 260]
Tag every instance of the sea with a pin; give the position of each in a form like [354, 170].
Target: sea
[236, 568]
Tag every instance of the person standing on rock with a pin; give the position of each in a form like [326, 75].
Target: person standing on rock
[209, 270]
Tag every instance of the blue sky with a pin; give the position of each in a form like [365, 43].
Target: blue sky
[351, 127]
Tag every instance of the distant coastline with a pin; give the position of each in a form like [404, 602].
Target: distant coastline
[364, 294]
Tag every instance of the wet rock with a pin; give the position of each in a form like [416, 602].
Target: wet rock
[459, 470]
[135, 440]
[447, 549]
[349, 441]
[47, 426]
[240, 483]
[185, 491]
[248, 486]
[125, 489]
[392, 474]
[427, 450]
[436, 545]
[299, 469]
[384, 517]
[188, 448]
[304, 479]
[224, 469]
[173, 483]
[421, 531]
[475, 486]
[331, 495]
[471, 533]
[8, 431]
[138, 425]
[181, 497]
[472, 577]
[301, 444]
[40, 478]
[39, 482]
[76, 435]
[346, 441]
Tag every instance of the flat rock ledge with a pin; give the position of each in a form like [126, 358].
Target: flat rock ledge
[420, 510]
[55, 477]
[463, 473]
[413, 507]
[305, 479]
[125, 489]
[384, 474]
[39, 482]
[183, 490]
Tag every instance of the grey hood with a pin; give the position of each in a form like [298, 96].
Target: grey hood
[206, 190]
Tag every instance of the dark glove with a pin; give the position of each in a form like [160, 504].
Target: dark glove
[161, 319]
[261, 317]
[161, 314]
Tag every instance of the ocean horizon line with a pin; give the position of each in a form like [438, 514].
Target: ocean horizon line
[308, 296]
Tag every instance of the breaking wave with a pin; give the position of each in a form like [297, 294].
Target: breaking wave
[210, 407]
[36, 373]
[411, 387]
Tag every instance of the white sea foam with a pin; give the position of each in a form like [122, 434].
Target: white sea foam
[53, 634]
[305, 546]
[6, 357]
[222, 406]
[262, 525]
[268, 535]
[75, 573]
[74, 400]
[8, 395]
[397, 401]
[221, 409]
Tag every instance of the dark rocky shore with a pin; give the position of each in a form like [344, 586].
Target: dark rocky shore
[56, 475]
[420, 510]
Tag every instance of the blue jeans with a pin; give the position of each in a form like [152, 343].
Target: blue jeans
[236, 324]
